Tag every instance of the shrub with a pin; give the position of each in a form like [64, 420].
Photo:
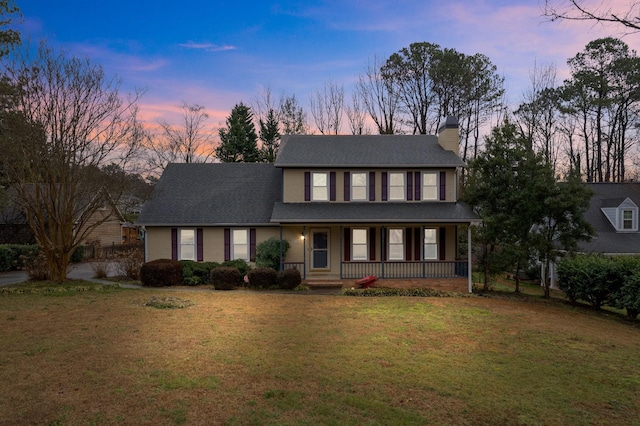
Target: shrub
[161, 273]
[268, 253]
[15, 256]
[591, 278]
[262, 278]
[6, 257]
[195, 273]
[128, 263]
[239, 264]
[37, 268]
[226, 278]
[78, 255]
[289, 279]
[100, 268]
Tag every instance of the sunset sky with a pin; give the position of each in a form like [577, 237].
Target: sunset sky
[218, 53]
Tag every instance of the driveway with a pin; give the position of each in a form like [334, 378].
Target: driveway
[77, 271]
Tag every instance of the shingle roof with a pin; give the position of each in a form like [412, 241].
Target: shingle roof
[364, 151]
[213, 193]
[372, 212]
[607, 239]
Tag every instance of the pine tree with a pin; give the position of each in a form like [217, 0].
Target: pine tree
[270, 137]
[238, 140]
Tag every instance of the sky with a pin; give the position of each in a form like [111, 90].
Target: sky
[220, 53]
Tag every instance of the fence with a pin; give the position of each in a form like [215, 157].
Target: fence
[94, 251]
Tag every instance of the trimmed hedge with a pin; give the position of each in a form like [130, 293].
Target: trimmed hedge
[196, 273]
[226, 278]
[161, 273]
[240, 264]
[289, 279]
[268, 253]
[262, 278]
[602, 280]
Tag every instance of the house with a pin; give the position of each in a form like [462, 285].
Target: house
[349, 206]
[613, 213]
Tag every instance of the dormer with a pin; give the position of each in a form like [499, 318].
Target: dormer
[621, 213]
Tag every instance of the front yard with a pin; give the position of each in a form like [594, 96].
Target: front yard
[265, 358]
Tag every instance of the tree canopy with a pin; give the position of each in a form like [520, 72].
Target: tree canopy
[238, 140]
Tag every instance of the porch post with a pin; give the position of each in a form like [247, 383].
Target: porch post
[281, 259]
[469, 260]
[304, 252]
[341, 250]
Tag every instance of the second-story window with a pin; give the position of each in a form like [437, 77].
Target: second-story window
[627, 220]
[359, 186]
[396, 186]
[429, 186]
[319, 186]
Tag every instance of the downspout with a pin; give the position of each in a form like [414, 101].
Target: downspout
[469, 260]
[281, 259]
[144, 240]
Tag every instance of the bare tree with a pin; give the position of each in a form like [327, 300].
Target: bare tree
[65, 120]
[380, 101]
[574, 10]
[326, 108]
[356, 115]
[190, 142]
[292, 117]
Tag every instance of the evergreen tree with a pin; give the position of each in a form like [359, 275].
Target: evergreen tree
[238, 140]
[270, 137]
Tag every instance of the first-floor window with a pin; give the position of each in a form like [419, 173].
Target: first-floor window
[240, 244]
[187, 244]
[430, 244]
[396, 244]
[359, 244]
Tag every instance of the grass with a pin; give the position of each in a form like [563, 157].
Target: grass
[238, 358]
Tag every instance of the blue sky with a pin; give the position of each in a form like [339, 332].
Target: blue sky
[218, 53]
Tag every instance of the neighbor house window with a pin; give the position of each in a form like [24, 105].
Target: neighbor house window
[396, 244]
[359, 244]
[429, 186]
[187, 244]
[320, 186]
[240, 244]
[359, 186]
[430, 244]
[627, 219]
[396, 186]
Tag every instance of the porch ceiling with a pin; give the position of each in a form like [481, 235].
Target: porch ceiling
[372, 212]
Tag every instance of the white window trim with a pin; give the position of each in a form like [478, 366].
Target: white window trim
[233, 244]
[389, 244]
[325, 197]
[404, 187]
[366, 186]
[181, 244]
[634, 220]
[437, 186]
[354, 244]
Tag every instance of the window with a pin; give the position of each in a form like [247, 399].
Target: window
[187, 244]
[359, 186]
[240, 244]
[396, 244]
[396, 186]
[359, 244]
[627, 219]
[429, 186]
[430, 244]
[319, 187]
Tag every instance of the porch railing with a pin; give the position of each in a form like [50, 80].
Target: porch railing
[416, 269]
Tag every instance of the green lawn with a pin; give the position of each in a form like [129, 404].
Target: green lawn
[242, 357]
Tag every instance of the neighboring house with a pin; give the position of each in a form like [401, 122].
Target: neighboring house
[613, 213]
[14, 228]
[350, 206]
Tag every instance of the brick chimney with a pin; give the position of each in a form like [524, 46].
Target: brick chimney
[448, 135]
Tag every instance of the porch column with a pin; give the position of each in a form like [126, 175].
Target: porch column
[469, 260]
[304, 251]
[281, 259]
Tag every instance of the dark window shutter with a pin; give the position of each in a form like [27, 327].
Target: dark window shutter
[372, 244]
[174, 243]
[385, 186]
[417, 242]
[332, 186]
[347, 244]
[442, 239]
[372, 186]
[443, 185]
[307, 186]
[408, 246]
[417, 186]
[252, 244]
[199, 245]
[383, 246]
[347, 186]
[227, 244]
[409, 186]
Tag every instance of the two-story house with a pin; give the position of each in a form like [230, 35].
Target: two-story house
[349, 206]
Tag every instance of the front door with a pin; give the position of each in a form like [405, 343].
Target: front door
[320, 249]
